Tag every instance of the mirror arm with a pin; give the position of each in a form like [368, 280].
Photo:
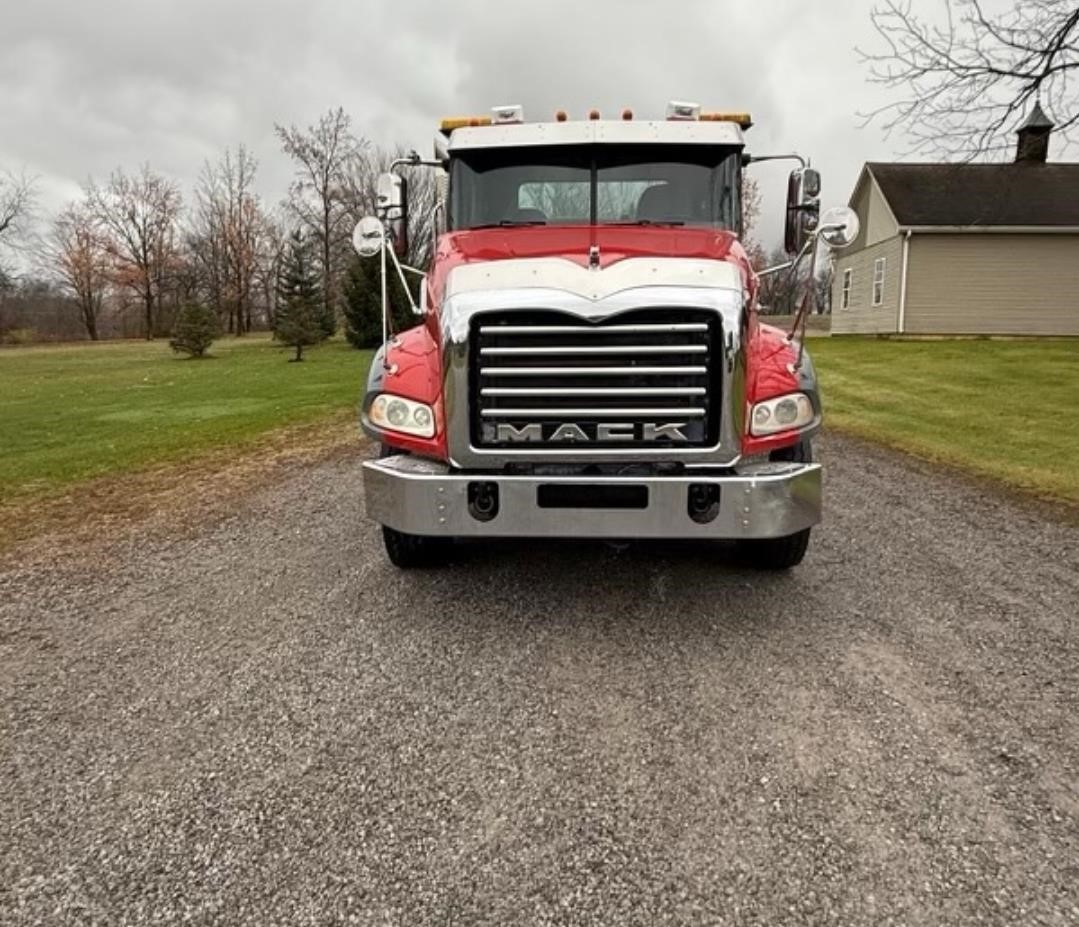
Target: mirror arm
[748, 158]
[801, 318]
[768, 271]
[401, 268]
[413, 159]
[386, 365]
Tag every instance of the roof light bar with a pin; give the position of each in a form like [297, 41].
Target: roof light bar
[679, 109]
[742, 119]
[461, 122]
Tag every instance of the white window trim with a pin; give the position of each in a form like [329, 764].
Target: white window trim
[845, 290]
[877, 294]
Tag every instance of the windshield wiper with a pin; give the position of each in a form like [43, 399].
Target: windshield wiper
[508, 224]
[648, 222]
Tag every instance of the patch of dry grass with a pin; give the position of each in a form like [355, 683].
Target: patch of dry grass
[188, 493]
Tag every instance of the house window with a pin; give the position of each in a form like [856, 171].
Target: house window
[878, 281]
[844, 302]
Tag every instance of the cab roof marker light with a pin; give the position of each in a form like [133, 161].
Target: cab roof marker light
[680, 109]
[593, 114]
[744, 120]
[627, 114]
[508, 114]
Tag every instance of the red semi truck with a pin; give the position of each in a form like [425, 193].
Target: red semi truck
[589, 361]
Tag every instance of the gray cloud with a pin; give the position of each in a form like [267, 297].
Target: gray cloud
[87, 87]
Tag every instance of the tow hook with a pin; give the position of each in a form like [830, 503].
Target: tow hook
[703, 504]
[483, 501]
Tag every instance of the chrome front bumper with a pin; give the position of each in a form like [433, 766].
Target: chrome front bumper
[418, 496]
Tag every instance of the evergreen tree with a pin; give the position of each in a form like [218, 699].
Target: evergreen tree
[196, 327]
[327, 320]
[299, 320]
[362, 302]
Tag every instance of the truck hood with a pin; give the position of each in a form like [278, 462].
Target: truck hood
[573, 243]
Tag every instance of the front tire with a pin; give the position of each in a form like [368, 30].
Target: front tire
[775, 553]
[413, 551]
[786, 552]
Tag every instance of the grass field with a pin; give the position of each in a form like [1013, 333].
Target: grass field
[73, 412]
[1007, 410]
[1001, 409]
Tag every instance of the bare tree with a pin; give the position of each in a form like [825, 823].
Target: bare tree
[17, 194]
[224, 243]
[359, 197]
[137, 216]
[780, 292]
[822, 288]
[963, 87]
[77, 255]
[17, 202]
[323, 154]
[751, 211]
[272, 242]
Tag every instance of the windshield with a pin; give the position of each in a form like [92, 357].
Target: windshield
[578, 184]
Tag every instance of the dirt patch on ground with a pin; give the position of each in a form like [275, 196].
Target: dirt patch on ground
[187, 493]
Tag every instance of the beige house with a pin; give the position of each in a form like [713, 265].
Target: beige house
[987, 249]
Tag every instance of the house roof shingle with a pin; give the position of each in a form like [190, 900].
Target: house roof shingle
[1014, 194]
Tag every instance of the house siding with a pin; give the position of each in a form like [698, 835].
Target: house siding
[991, 284]
[863, 316]
[874, 215]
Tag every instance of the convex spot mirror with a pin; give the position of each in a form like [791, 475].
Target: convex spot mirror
[392, 208]
[839, 226]
[367, 237]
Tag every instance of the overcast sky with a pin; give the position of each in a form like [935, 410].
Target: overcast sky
[89, 86]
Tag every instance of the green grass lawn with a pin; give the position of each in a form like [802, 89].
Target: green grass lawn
[1007, 410]
[74, 412]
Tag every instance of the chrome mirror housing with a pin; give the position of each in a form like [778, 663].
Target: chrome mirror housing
[803, 208]
[392, 209]
[368, 236]
[839, 226]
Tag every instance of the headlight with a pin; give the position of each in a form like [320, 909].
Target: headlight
[781, 414]
[395, 413]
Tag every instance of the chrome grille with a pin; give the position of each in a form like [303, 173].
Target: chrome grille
[646, 379]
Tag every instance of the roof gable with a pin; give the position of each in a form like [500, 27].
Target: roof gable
[1014, 194]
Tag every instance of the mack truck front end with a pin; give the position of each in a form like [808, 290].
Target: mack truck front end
[590, 362]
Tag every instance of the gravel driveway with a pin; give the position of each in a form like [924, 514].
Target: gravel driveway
[262, 722]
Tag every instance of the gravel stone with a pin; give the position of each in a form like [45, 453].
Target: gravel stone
[263, 722]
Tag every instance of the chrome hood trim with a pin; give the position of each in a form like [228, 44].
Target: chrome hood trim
[558, 273]
[591, 295]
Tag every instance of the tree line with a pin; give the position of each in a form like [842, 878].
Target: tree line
[129, 254]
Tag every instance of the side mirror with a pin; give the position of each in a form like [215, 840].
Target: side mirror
[392, 209]
[803, 209]
[368, 236]
[839, 226]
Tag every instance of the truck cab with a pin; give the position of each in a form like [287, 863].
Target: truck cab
[589, 361]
